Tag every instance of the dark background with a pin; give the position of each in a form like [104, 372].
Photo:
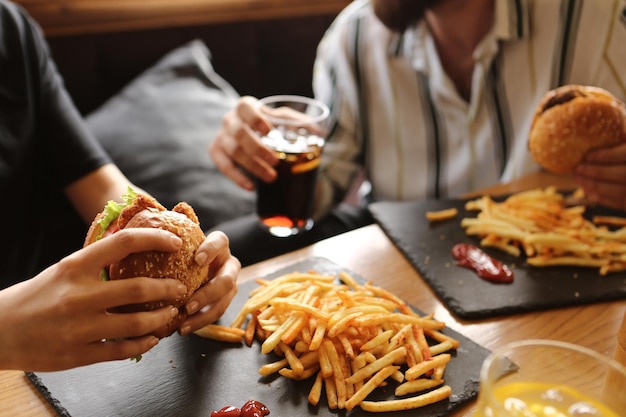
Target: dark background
[252, 56]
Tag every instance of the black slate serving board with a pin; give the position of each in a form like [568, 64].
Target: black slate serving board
[428, 246]
[190, 376]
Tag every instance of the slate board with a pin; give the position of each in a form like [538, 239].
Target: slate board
[190, 376]
[428, 246]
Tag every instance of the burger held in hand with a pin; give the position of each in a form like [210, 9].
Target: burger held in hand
[572, 120]
[137, 211]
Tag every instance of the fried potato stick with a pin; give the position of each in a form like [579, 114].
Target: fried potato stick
[539, 224]
[221, 333]
[348, 338]
[441, 215]
[418, 401]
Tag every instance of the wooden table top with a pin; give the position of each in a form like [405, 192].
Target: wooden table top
[594, 326]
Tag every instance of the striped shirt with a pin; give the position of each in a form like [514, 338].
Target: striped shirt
[397, 115]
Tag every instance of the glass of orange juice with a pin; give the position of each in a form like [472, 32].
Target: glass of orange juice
[547, 378]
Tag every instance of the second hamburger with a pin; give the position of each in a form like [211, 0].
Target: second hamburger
[572, 120]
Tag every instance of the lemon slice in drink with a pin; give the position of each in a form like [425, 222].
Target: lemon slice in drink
[306, 166]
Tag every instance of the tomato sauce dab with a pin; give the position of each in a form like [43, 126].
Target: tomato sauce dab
[486, 267]
[251, 408]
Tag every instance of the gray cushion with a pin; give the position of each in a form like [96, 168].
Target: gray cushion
[158, 129]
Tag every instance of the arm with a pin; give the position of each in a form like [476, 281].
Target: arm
[90, 193]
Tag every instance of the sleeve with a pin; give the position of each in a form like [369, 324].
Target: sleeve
[335, 83]
[592, 49]
[74, 151]
[615, 54]
[62, 144]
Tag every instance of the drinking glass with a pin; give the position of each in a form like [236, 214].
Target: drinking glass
[285, 206]
[547, 378]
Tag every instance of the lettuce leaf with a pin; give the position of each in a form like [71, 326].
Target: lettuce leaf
[113, 209]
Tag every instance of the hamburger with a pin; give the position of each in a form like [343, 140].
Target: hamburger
[572, 120]
[139, 210]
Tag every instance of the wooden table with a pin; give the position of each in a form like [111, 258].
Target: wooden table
[594, 326]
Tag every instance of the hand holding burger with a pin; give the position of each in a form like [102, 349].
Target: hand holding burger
[572, 120]
[67, 317]
[141, 211]
[61, 318]
[582, 130]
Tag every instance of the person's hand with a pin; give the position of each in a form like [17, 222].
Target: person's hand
[211, 300]
[602, 176]
[237, 147]
[60, 319]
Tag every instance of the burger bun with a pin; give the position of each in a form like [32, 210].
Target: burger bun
[572, 120]
[145, 212]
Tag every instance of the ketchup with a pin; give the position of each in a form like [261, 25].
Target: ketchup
[254, 408]
[489, 269]
[251, 408]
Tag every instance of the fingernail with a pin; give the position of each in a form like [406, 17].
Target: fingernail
[176, 241]
[174, 312]
[201, 258]
[185, 330]
[153, 342]
[192, 307]
[182, 290]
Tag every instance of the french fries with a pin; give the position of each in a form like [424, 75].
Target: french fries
[221, 333]
[538, 224]
[609, 220]
[441, 215]
[348, 338]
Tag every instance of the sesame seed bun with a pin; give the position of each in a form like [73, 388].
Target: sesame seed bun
[570, 121]
[143, 212]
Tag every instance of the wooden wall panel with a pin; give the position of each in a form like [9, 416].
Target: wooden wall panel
[71, 17]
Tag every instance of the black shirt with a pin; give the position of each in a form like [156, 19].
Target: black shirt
[44, 146]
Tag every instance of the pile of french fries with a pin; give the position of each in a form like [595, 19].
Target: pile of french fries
[540, 225]
[349, 338]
